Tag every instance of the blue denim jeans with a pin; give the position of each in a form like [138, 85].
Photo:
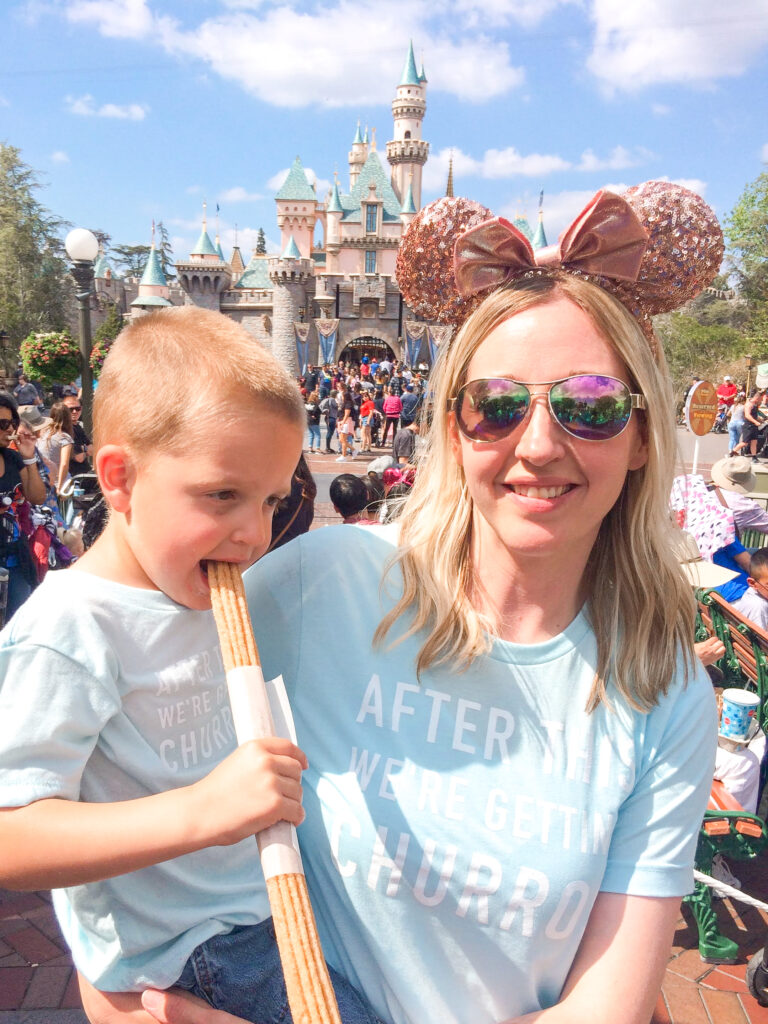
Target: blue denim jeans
[314, 435]
[241, 973]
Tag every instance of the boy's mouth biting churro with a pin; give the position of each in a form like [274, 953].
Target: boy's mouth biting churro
[308, 984]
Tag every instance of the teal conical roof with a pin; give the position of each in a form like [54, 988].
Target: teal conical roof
[256, 274]
[220, 251]
[153, 272]
[539, 239]
[422, 75]
[100, 267]
[358, 139]
[372, 171]
[410, 74]
[335, 204]
[291, 251]
[296, 185]
[151, 300]
[205, 246]
[408, 206]
[522, 225]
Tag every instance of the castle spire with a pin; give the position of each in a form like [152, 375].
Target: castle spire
[449, 183]
[410, 74]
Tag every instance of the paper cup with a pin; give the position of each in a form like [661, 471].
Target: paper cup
[739, 708]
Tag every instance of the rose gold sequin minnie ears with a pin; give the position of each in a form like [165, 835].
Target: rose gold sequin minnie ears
[654, 248]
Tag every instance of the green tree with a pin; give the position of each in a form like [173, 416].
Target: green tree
[261, 243]
[165, 251]
[746, 230]
[35, 289]
[130, 260]
[693, 349]
[104, 336]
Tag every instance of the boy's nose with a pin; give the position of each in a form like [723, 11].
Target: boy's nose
[254, 531]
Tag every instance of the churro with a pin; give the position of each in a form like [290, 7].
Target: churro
[308, 985]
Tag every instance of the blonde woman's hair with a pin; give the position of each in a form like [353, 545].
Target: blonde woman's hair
[639, 605]
[167, 369]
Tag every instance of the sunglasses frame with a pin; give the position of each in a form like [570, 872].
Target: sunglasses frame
[637, 401]
[11, 423]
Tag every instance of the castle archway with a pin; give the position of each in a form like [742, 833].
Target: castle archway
[366, 345]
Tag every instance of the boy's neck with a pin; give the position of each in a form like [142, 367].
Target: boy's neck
[112, 558]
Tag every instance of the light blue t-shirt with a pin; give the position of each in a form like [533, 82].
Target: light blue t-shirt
[459, 828]
[112, 693]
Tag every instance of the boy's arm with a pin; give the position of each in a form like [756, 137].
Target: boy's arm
[54, 843]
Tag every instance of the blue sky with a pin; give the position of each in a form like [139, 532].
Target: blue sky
[134, 110]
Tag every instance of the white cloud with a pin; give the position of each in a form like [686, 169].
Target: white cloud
[238, 194]
[660, 109]
[125, 19]
[764, 154]
[503, 163]
[501, 12]
[619, 158]
[85, 106]
[59, 157]
[193, 190]
[642, 42]
[324, 56]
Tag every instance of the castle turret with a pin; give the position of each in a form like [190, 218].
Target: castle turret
[357, 156]
[289, 275]
[153, 287]
[408, 210]
[407, 153]
[296, 209]
[539, 240]
[236, 263]
[205, 275]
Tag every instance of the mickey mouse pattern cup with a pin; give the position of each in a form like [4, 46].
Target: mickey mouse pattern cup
[739, 709]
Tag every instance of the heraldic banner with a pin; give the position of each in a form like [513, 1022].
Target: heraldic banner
[437, 336]
[414, 334]
[327, 332]
[302, 344]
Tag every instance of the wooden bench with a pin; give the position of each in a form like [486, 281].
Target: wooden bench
[727, 828]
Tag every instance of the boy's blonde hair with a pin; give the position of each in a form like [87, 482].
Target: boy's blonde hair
[167, 367]
[640, 607]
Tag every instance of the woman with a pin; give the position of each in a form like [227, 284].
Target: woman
[345, 426]
[367, 410]
[392, 408]
[56, 443]
[736, 424]
[312, 405]
[754, 419]
[20, 482]
[508, 774]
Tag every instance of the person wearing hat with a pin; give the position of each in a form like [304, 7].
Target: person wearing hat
[727, 391]
[734, 479]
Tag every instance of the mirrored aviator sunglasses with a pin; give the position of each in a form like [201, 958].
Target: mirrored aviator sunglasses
[587, 406]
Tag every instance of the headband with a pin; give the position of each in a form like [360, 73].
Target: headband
[655, 248]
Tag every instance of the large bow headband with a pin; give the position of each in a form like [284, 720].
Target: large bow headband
[654, 248]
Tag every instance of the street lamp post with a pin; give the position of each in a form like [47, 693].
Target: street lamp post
[82, 248]
[751, 363]
[3, 340]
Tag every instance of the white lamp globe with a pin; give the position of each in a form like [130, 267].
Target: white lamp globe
[81, 244]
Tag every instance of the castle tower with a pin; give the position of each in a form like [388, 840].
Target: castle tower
[357, 156]
[408, 210]
[407, 154]
[333, 214]
[539, 240]
[205, 275]
[296, 210]
[153, 287]
[289, 275]
[449, 183]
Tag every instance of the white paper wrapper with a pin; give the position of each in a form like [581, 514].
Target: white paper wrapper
[259, 709]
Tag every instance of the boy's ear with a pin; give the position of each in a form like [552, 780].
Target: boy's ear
[116, 475]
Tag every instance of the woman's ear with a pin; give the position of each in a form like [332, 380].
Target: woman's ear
[455, 439]
[117, 474]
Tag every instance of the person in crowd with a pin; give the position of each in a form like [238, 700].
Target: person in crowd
[404, 446]
[754, 418]
[295, 513]
[82, 449]
[375, 487]
[391, 407]
[20, 482]
[345, 426]
[117, 744]
[324, 387]
[25, 393]
[31, 425]
[397, 380]
[736, 423]
[310, 379]
[312, 405]
[367, 409]
[55, 444]
[350, 498]
[727, 391]
[735, 480]
[753, 604]
[330, 410]
[411, 401]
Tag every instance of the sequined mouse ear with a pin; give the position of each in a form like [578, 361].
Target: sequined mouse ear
[685, 247]
[425, 259]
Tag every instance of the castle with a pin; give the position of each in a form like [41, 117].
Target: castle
[332, 292]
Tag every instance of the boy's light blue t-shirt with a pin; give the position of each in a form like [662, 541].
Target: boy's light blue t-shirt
[112, 693]
[460, 827]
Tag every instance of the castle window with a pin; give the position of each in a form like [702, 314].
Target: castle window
[370, 219]
[370, 261]
[407, 135]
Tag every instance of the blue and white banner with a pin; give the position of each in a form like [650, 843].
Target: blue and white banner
[327, 332]
[414, 335]
[302, 344]
[437, 336]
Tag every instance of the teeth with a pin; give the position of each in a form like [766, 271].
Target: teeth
[540, 492]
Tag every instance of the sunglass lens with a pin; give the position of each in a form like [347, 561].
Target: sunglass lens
[591, 407]
[6, 424]
[490, 409]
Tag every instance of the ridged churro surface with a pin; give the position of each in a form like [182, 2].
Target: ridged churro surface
[230, 610]
[310, 993]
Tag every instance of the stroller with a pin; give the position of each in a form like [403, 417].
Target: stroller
[76, 497]
[720, 426]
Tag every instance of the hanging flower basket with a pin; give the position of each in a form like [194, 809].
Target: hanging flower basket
[51, 358]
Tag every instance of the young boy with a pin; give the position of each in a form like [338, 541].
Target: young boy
[121, 785]
[754, 603]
